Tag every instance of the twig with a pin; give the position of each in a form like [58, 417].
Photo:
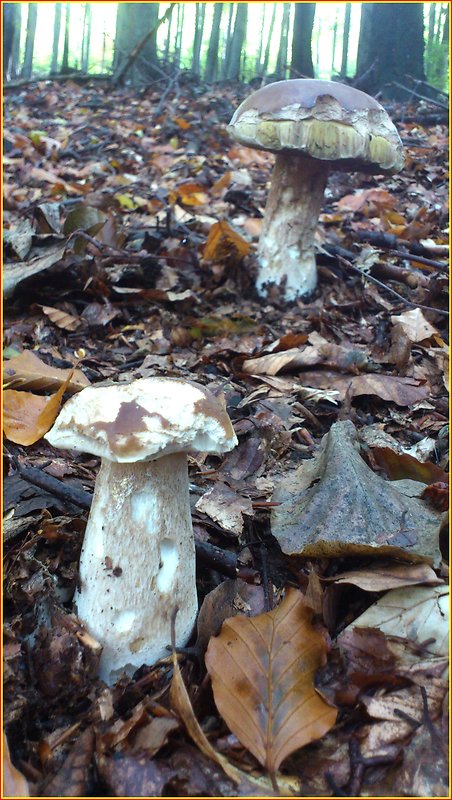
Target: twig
[136, 51]
[427, 261]
[413, 93]
[365, 275]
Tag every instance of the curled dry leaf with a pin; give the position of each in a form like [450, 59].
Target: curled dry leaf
[262, 670]
[61, 318]
[27, 417]
[223, 242]
[29, 372]
[414, 325]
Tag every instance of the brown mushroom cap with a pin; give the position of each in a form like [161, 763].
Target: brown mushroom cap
[143, 420]
[323, 120]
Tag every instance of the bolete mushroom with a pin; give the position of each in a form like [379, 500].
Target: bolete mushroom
[314, 127]
[138, 556]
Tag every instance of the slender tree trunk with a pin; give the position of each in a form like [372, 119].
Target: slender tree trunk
[179, 28]
[30, 40]
[347, 14]
[67, 22]
[86, 38]
[238, 39]
[9, 24]
[281, 60]
[302, 35]
[214, 41]
[104, 49]
[56, 38]
[269, 39]
[14, 69]
[258, 68]
[227, 51]
[168, 37]
[445, 36]
[333, 56]
[199, 29]
[431, 24]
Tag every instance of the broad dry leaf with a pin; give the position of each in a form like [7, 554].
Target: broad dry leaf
[14, 783]
[414, 325]
[262, 670]
[223, 242]
[18, 271]
[29, 372]
[61, 318]
[390, 576]
[27, 417]
[180, 703]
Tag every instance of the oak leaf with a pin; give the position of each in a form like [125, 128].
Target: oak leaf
[262, 670]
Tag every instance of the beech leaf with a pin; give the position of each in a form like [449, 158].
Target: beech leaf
[14, 783]
[27, 417]
[29, 372]
[262, 670]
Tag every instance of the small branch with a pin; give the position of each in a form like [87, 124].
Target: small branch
[413, 93]
[136, 51]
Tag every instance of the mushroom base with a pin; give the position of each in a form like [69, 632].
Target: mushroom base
[286, 252]
[138, 563]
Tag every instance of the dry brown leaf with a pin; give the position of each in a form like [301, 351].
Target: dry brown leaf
[29, 372]
[223, 242]
[180, 703]
[61, 318]
[262, 670]
[14, 783]
[189, 194]
[27, 417]
[414, 325]
[392, 576]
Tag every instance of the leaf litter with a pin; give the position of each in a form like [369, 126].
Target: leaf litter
[132, 255]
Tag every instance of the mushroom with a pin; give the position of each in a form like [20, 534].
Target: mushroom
[138, 556]
[314, 127]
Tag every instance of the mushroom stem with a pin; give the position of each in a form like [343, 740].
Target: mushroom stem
[138, 563]
[286, 246]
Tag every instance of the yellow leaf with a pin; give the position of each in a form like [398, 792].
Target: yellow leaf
[223, 241]
[27, 417]
[262, 670]
[61, 319]
[182, 123]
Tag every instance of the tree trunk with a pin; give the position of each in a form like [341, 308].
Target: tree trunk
[333, 56]
[391, 46]
[347, 14]
[238, 39]
[56, 38]
[227, 51]
[199, 30]
[133, 22]
[9, 24]
[281, 60]
[302, 65]
[179, 29]
[67, 22]
[14, 69]
[431, 24]
[214, 41]
[258, 62]
[30, 40]
[269, 39]
[168, 37]
[86, 38]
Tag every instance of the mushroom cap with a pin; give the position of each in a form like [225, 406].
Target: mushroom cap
[143, 421]
[323, 120]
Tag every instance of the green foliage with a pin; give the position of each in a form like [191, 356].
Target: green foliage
[437, 65]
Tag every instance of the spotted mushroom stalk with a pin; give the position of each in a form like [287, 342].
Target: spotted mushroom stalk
[138, 556]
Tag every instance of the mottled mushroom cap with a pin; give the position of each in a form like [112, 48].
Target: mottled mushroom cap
[325, 120]
[143, 420]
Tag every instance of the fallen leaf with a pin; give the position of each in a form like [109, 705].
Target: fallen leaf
[15, 273]
[392, 576]
[29, 372]
[27, 417]
[402, 465]
[226, 507]
[61, 318]
[262, 670]
[414, 325]
[71, 780]
[223, 241]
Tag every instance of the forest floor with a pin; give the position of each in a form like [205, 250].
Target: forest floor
[130, 230]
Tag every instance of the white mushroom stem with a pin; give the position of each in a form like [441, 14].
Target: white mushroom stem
[138, 563]
[286, 245]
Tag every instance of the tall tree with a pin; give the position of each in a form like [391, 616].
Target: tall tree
[258, 60]
[238, 39]
[15, 54]
[56, 37]
[264, 67]
[133, 22]
[228, 41]
[391, 46]
[302, 35]
[30, 40]
[281, 58]
[333, 49]
[200, 15]
[67, 26]
[346, 36]
[86, 40]
[214, 43]
[9, 23]
[179, 31]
